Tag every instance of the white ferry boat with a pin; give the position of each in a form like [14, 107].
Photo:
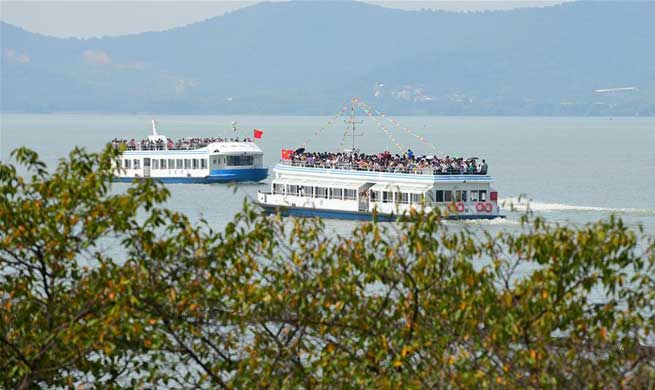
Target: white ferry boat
[344, 191]
[352, 185]
[189, 160]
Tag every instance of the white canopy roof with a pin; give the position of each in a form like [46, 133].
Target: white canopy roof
[416, 189]
[312, 183]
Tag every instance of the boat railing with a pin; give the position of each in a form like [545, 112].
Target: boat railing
[354, 167]
[161, 146]
[139, 147]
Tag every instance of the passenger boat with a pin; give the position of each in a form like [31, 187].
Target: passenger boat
[350, 185]
[189, 160]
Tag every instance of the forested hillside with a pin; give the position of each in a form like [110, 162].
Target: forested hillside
[309, 57]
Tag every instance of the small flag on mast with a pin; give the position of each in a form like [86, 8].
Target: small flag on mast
[257, 133]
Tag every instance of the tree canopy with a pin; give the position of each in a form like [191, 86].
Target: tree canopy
[106, 288]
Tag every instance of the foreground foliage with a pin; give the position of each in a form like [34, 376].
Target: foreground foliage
[275, 303]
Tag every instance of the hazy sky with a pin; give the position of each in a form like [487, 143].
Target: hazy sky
[97, 18]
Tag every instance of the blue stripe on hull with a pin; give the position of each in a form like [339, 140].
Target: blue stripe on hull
[353, 215]
[251, 174]
[216, 176]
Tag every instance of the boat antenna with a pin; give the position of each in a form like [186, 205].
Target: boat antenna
[154, 127]
[352, 122]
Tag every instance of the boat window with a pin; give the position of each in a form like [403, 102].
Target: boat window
[215, 161]
[178, 163]
[136, 163]
[375, 195]
[439, 196]
[320, 192]
[350, 194]
[278, 188]
[416, 198]
[336, 193]
[483, 195]
[171, 163]
[447, 196]
[187, 163]
[196, 165]
[155, 163]
[203, 163]
[458, 196]
[239, 160]
[403, 197]
[463, 196]
[162, 163]
[292, 189]
[128, 163]
[387, 197]
[474, 195]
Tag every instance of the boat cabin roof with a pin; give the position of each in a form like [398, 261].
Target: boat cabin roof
[318, 183]
[389, 187]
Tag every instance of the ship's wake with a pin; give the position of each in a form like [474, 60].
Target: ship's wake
[523, 204]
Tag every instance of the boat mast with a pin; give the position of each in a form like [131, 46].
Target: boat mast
[352, 122]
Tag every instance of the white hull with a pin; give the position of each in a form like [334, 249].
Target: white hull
[350, 191]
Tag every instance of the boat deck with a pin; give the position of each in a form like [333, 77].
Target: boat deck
[428, 171]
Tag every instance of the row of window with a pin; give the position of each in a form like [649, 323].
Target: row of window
[400, 197]
[235, 161]
[162, 163]
[187, 163]
[316, 192]
[443, 196]
[461, 196]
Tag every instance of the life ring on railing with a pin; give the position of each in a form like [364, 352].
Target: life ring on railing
[460, 207]
[479, 207]
[489, 207]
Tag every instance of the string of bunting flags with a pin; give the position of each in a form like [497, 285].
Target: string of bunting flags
[399, 126]
[330, 122]
[374, 114]
[368, 112]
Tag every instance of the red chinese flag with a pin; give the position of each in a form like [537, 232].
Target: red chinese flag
[257, 133]
[286, 154]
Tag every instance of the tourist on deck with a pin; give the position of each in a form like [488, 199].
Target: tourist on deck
[483, 167]
[386, 162]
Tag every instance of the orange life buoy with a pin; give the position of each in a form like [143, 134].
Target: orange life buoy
[489, 207]
[479, 206]
[460, 207]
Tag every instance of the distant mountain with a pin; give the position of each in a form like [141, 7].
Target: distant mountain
[310, 57]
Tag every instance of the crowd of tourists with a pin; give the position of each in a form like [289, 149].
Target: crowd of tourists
[188, 143]
[387, 162]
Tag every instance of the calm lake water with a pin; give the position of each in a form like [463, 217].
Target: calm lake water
[574, 170]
